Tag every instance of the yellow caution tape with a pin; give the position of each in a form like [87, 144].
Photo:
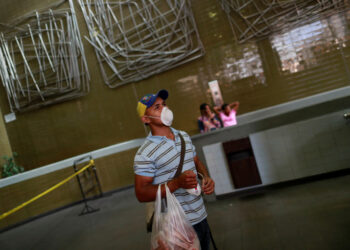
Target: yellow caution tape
[45, 192]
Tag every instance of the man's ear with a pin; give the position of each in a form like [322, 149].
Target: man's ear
[145, 119]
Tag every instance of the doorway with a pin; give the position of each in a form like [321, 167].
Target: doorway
[241, 161]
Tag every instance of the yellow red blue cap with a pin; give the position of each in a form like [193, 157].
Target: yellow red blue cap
[148, 100]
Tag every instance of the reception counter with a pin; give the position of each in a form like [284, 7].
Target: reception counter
[290, 141]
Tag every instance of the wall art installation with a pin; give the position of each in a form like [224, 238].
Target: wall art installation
[134, 40]
[42, 59]
[252, 19]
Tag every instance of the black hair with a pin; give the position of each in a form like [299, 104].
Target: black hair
[223, 107]
[202, 106]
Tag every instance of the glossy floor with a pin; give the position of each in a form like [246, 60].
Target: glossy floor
[315, 215]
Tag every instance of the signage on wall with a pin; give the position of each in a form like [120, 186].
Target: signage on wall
[216, 93]
[10, 117]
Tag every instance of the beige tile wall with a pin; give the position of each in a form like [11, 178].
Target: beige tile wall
[114, 171]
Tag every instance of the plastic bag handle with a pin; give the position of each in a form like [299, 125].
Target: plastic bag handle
[158, 198]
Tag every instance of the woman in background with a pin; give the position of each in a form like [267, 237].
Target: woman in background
[227, 113]
[208, 121]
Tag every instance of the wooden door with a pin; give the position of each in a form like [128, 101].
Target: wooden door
[242, 164]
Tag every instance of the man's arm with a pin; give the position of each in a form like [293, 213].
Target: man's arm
[208, 184]
[146, 191]
[217, 110]
[234, 105]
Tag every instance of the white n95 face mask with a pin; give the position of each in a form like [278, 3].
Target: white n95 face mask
[166, 116]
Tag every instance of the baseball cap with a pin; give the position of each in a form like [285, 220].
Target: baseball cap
[148, 100]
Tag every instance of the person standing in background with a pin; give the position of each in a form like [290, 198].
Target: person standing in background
[227, 113]
[208, 121]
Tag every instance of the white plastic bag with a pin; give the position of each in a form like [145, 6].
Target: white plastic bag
[171, 229]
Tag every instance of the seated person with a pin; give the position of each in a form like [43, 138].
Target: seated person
[208, 121]
[227, 113]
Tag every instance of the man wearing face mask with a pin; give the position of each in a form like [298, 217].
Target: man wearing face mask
[157, 161]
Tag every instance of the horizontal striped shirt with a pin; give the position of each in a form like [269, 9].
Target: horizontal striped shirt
[159, 157]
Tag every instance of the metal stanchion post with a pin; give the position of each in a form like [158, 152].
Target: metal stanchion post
[87, 209]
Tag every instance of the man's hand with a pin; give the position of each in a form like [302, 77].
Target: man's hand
[187, 180]
[208, 185]
[146, 191]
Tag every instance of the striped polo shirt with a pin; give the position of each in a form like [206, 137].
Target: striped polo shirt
[159, 157]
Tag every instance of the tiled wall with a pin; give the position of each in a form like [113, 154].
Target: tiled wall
[5, 147]
[302, 149]
[114, 171]
[107, 116]
[13, 195]
[288, 152]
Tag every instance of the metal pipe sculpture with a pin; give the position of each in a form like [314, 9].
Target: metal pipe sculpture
[42, 60]
[252, 19]
[134, 40]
